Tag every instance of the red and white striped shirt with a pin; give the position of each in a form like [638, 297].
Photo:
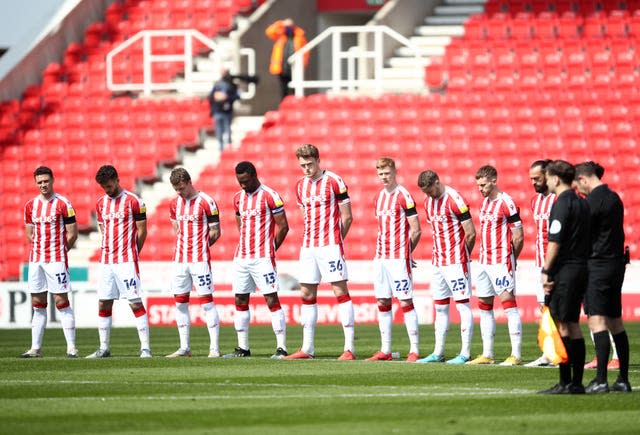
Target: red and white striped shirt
[392, 211]
[117, 219]
[48, 219]
[257, 226]
[540, 209]
[445, 214]
[193, 216]
[497, 217]
[320, 200]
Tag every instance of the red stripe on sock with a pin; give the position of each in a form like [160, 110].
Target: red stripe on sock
[509, 304]
[206, 299]
[407, 308]
[63, 305]
[309, 301]
[104, 313]
[344, 298]
[441, 301]
[275, 307]
[139, 312]
[384, 308]
[38, 305]
[242, 307]
[182, 299]
[463, 301]
[485, 307]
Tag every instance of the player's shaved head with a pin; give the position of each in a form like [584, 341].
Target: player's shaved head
[179, 175]
[246, 167]
[43, 170]
[308, 151]
[106, 173]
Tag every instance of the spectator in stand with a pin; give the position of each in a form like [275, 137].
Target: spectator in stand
[221, 99]
[288, 38]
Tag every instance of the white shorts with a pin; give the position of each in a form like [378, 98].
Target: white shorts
[538, 284]
[249, 273]
[188, 275]
[392, 277]
[324, 262]
[51, 277]
[453, 281]
[120, 280]
[494, 279]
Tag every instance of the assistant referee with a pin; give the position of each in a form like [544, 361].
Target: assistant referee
[603, 299]
[564, 275]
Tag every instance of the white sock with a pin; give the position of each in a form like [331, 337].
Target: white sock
[68, 322]
[441, 327]
[308, 318]
[613, 347]
[38, 324]
[142, 323]
[183, 322]
[213, 325]
[515, 330]
[241, 321]
[488, 331]
[385, 322]
[466, 328]
[104, 331]
[411, 322]
[279, 325]
[347, 319]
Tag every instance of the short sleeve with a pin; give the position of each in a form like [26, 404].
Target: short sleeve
[558, 220]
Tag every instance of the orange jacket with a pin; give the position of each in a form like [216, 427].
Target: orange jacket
[276, 32]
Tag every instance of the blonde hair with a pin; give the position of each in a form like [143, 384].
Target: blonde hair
[385, 162]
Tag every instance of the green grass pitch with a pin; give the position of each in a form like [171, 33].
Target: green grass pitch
[126, 394]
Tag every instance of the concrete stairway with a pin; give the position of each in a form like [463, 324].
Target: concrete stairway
[405, 73]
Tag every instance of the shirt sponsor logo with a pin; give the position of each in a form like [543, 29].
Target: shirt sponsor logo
[489, 218]
[383, 213]
[44, 219]
[250, 212]
[541, 216]
[313, 199]
[187, 218]
[439, 218]
[113, 215]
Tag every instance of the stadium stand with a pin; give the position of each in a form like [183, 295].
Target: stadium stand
[528, 79]
[72, 123]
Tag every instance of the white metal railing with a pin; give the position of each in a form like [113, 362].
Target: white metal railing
[148, 85]
[359, 53]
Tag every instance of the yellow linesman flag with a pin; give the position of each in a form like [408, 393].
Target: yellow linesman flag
[549, 339]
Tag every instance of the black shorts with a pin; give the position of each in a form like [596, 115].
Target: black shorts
[604, 291]
[570, 284]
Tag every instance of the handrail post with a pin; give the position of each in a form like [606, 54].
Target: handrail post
[336, 60]
[378, 44]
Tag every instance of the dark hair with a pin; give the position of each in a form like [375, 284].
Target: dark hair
[563, 170]
[179, 175]
[427, 178]
[106, 173]
[542, 163]
[487, 171]
[245, 167]
[43, 170]
[589, 169]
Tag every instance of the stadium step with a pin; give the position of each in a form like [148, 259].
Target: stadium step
[406, 62]
[424, 51]
[448, 20]
[454, 10]
[440, 31]
[465, 2]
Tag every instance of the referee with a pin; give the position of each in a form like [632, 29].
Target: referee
[603, 299]
[564, 275]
